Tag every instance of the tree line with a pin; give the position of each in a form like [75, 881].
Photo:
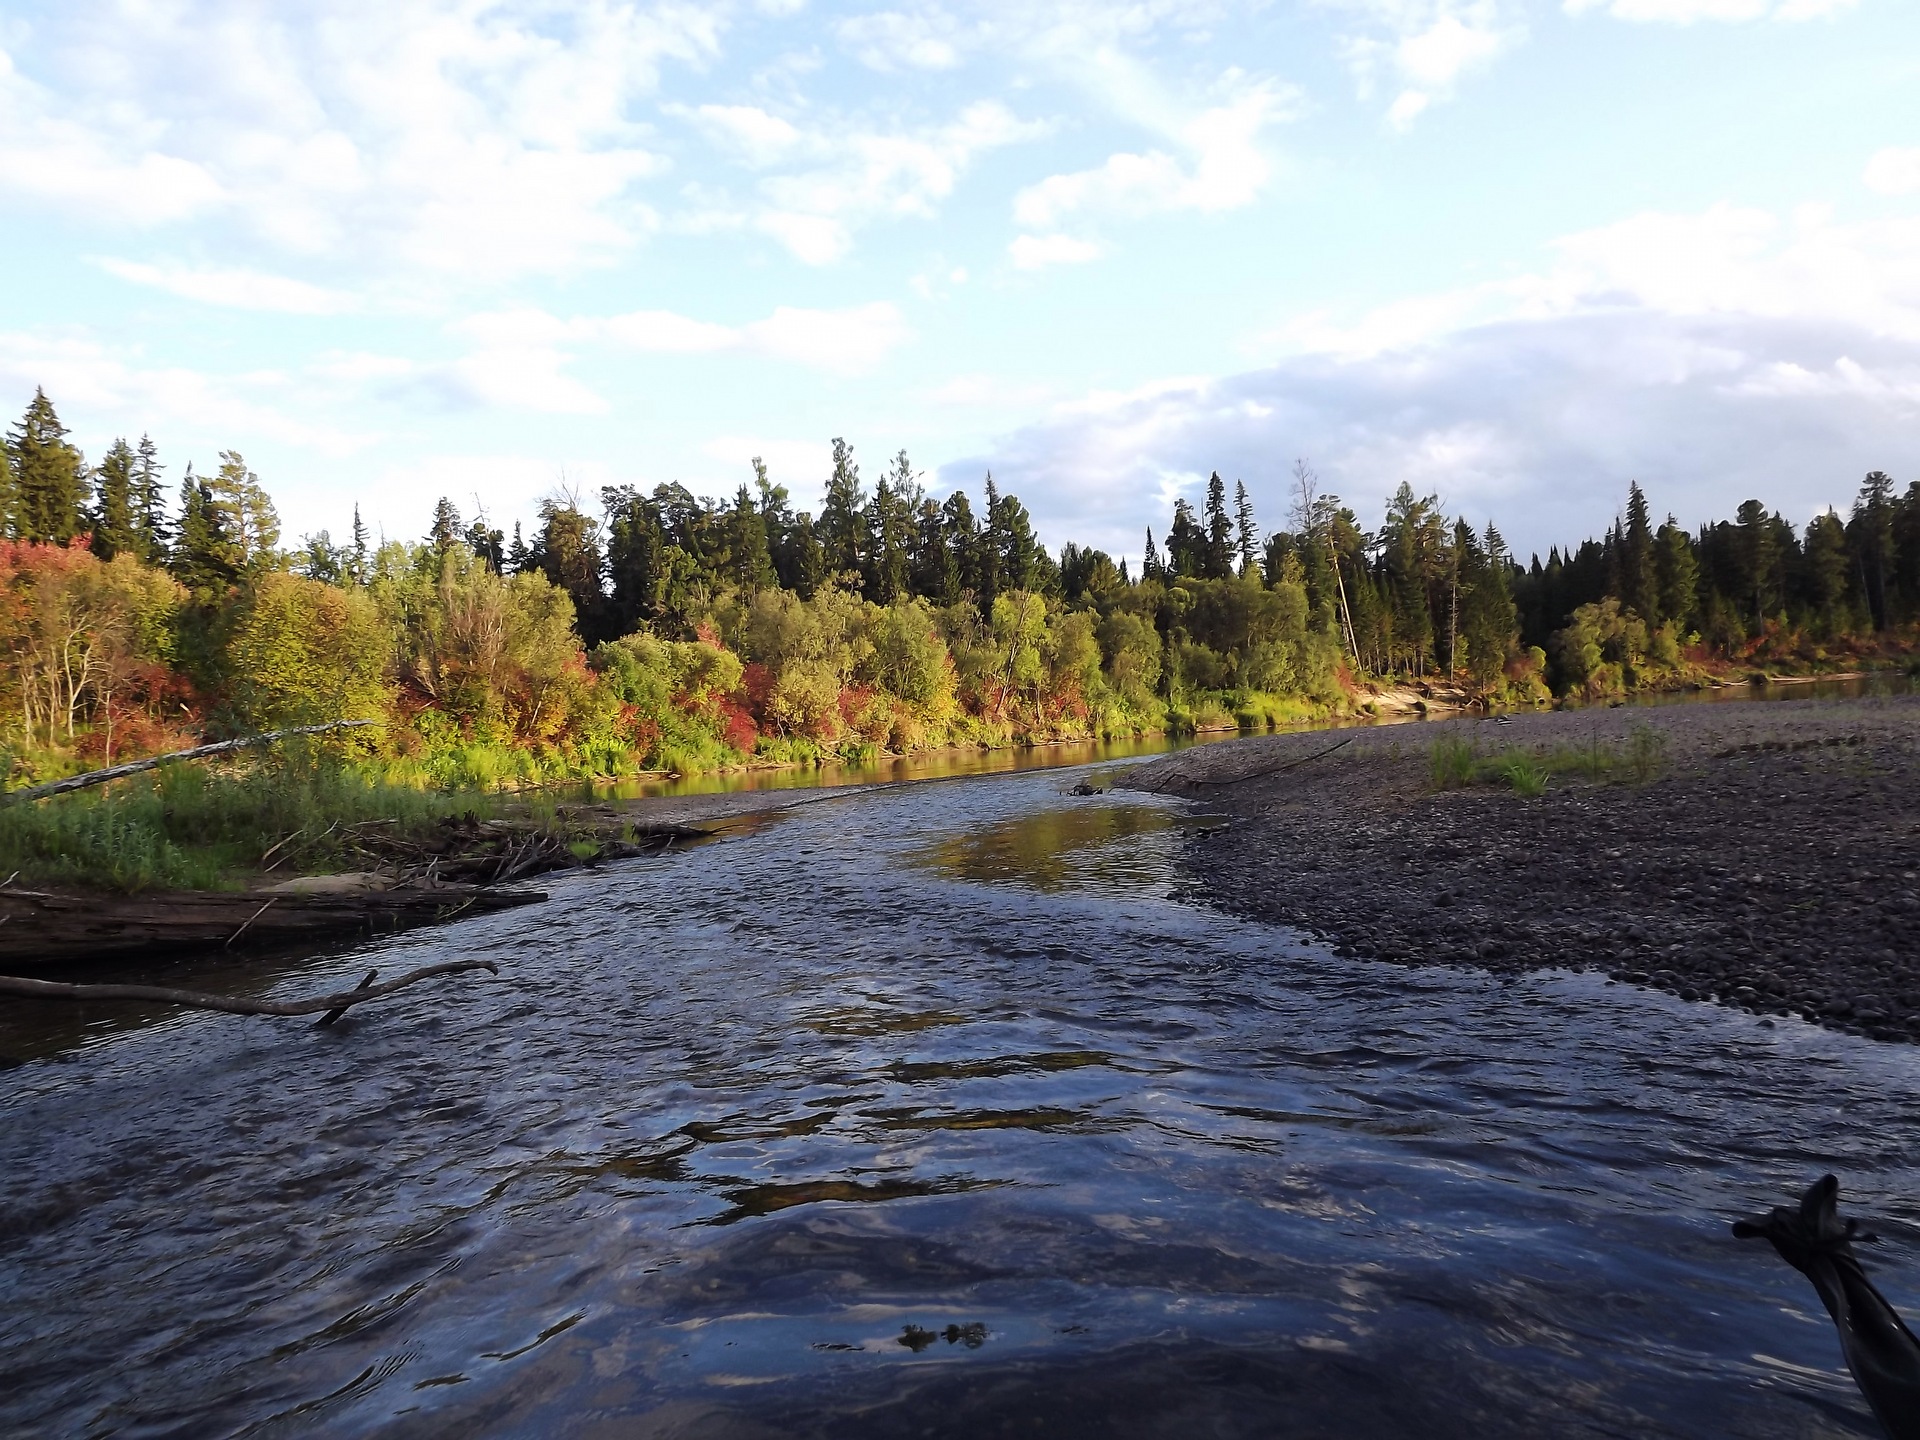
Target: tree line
[660, 629]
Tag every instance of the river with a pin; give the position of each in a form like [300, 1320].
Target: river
[936, 1111]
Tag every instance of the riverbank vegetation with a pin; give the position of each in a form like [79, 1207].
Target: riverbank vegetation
[664, 631]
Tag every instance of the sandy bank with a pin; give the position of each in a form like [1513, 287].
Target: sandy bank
[1772, 864]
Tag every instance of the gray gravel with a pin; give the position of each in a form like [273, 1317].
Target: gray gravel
[1771, 865]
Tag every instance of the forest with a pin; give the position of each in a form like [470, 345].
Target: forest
[664, 631]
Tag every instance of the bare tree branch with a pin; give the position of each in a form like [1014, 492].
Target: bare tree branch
[331, 1006]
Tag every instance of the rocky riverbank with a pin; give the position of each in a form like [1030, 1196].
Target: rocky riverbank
[1765, 855]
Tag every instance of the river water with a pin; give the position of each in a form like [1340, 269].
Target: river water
[937, 1111]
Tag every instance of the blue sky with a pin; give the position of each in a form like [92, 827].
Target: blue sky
[1514, 253]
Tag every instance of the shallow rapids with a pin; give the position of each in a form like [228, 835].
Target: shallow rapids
[935, 1112]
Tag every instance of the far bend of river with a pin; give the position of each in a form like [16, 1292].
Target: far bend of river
[935, 1112]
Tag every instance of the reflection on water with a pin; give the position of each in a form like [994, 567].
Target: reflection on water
[933, 1112]
[1062, 844]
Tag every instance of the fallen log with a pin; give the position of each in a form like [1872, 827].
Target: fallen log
[41, 928]
[329, 1007]
[134, 767]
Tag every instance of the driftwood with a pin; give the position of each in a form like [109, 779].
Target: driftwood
[134, 767]
[1881, 1352]
[1178, 778]
[40, 927]
[329, 1007]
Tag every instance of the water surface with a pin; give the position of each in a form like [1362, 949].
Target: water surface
[935, 1111]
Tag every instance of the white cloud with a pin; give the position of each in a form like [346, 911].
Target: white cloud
[1715, 356]
[460, 138]
[1032, 252]
[106, 390]
[520, 353]
[1423, 49]
[1227, 168]
[1688, 12]
[850, 176]
[238, 289]
[1894, 172]
[801, 465]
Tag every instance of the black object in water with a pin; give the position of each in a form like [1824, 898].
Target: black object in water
[1880, 1350]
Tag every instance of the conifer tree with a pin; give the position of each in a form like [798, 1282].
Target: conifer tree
[113, 522]
[1186, 543]
[519, 557]
[205, 557]
[1639, 586]
[1023, 564]
[933, 570]
[1217, 559]
[568, 552]
[357, 565]
[961, 534]
[49, 488]
[1150, 567]
[1249, 533]
[247, 516]
[1677, 573]
[1871, 531]
[149, 503]
[987, 552]
[842, 513]
[444, 533]
[752, 562]
[487, 543]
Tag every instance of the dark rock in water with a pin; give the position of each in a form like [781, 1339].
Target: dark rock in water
[1083, 788]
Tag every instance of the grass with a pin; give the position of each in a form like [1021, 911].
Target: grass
[194, 827]
[1455, 762]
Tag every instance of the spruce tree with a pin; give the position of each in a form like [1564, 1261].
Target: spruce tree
[205, 557]
[1023, 564]
[1217, 560]
[444, 533]
[114, 524]
[519, 557]
[567, 551]
[49, 476]
[1639, 586]
[960, 532]
[842, 518]
[1871, 531]
[150, 504]
[934, 573]
[1249, 533]
[1150, 560]
[752, 562]
[987, 553]
[1677, 573]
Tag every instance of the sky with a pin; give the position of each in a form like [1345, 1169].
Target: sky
[1516, 253]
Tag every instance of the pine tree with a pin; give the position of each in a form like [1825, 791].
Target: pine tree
[568, 552]
[1871, 531]
[1249, 533]
[487, 543]
[247, 516]
[1677, 573]
[1217, 562]
[1150, 567]
[49, 476]
[1023, 564]
[841, 514]
[205, 557]
[444, 533]
[150, 504]
[960, 532]
[1186, 543]
[1639, 586]
[987, 553]
[114, 525]
[752, 562]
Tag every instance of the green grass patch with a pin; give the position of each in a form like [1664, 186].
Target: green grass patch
[190, 826]
[1455, 762]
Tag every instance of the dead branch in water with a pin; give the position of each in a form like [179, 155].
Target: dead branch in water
[134, 767]
[1178, 778]
[329, 1007]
